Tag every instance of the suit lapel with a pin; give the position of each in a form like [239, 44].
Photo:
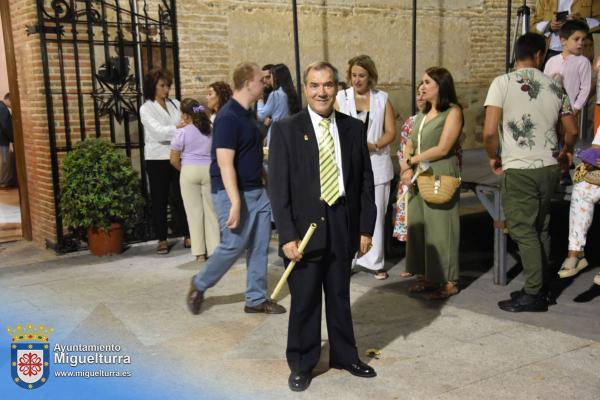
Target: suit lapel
[345, 144]
[308, 142]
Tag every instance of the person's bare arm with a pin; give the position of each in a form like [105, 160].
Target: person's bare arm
[570, 129]
[571, 132]
[406, 172]
[176, 159]
[389, 129]
[493, 115]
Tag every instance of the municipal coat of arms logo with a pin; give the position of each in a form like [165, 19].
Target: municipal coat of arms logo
[30, 355]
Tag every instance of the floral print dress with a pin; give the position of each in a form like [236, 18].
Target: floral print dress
[400, 217]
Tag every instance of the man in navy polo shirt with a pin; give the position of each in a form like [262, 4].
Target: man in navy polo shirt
[239, 197]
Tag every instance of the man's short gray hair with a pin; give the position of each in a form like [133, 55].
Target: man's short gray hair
[320, 65]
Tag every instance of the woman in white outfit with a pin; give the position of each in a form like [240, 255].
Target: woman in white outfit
[372, 106]
[161, 118]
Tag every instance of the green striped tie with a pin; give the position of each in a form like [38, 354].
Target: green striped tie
[330, 188]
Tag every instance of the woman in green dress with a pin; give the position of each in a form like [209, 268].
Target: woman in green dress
[434, 230]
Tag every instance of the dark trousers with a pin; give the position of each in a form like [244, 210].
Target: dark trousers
[526, 199]
[164, 179]
[329, 272]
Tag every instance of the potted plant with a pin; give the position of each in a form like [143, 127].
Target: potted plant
[100, 192]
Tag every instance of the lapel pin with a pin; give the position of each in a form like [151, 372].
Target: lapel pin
[306, 137]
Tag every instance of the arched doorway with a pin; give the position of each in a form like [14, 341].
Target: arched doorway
[15, 220]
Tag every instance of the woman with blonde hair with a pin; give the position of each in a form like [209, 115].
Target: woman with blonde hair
[372, 106]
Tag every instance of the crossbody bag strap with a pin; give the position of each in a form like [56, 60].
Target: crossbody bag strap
[419, 135]
[419, 141]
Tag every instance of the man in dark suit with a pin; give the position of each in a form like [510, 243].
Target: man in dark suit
[8, 176]
[320, 171]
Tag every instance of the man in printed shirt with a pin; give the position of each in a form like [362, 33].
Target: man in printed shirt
[522, 110]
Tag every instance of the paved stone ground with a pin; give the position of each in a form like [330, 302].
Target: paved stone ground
[464, 348]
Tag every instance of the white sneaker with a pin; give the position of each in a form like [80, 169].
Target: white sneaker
[571, 266]
[597, 279]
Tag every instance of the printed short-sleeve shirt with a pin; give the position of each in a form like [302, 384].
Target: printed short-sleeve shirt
[531, 105]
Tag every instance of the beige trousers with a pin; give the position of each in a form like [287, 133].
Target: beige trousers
[197, 199]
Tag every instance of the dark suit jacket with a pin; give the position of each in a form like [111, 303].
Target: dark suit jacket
[6, 131]
[294, 182]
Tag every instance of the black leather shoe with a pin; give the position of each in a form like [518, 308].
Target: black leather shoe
[268, 307]
[194, 298]
[358, 368]
[525, 302]
[518, 293]
[299, 381]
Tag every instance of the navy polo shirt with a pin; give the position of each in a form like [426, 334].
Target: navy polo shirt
[234, 128]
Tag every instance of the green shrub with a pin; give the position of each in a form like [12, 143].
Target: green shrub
[99, 186]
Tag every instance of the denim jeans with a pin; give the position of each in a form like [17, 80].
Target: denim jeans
[252, 236]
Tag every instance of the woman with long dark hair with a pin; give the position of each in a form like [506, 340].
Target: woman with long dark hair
[218, 94]
[282, 101]
[434, 229]
[161, 118]
[190, 154]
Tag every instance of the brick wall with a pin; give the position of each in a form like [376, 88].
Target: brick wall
[34, 108]
[34, 119]
[465, 36]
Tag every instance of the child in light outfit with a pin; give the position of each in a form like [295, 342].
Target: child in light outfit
[572, 69]
[585, 195]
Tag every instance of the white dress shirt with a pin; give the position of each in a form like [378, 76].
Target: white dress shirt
[160, 126]
[316, 120]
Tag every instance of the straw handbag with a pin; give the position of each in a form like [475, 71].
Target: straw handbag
[435, 189]
[587, 174]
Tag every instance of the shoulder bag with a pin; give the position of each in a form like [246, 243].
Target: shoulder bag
[435, 189]
[583, 173]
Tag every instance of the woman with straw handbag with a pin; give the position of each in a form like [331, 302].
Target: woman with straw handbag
[434, 229]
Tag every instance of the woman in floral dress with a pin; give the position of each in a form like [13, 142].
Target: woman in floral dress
[400, 218]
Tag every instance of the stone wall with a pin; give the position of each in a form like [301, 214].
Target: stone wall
[465, 36]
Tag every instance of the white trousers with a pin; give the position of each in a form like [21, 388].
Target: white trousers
[197, 199]
[374, 259]
[584, 197]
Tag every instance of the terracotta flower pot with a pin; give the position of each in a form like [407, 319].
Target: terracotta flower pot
[105, 242]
